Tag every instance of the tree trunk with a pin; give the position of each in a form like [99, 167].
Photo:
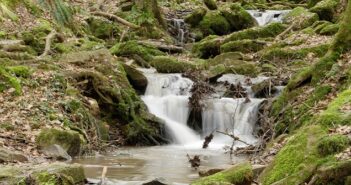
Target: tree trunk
[152, 7]
[342, 41]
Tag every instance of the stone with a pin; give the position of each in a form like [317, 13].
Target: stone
[301, 17]
[7, 155]
[56, 152]
[136, 78]
[157, 181]
[208, 172]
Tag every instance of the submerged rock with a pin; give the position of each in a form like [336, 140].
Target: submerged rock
[7, 155]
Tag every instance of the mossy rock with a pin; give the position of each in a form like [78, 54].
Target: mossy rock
[132, 48]
[239, 174]
[35, 37]
[326, 9]
[70, 141]
[245, 46]
[226, 58]
[237, 17]
[165, 64]
[136, 78]
[297, 160]
[102, 28]
[270, 30]
[334, 173]
[211, 4]
[333, 144]
[208, 47]
[301, 17]
[330, 29]
[214, 23]
[48, 174]
[196, 16]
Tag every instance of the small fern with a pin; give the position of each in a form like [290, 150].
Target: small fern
[59, 10]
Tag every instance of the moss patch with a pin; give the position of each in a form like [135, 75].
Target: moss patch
[332, 144]
[164, 64]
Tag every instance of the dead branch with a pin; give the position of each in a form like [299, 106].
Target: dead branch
[195, 161]
[233, 137]
[116, 19]
[207, 141]
[48, 40]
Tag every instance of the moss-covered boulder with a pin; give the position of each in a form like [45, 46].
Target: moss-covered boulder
[301, 17]
[333, 144]
[237, 17]
[69, 140]
[165, 64]
[102, 28]
[134, 49]
[214, 23]
[208, 47]
[240, 174]
[211, 4]
[334, 173]
[136, 78]
[326, 9]
[331, 29]
[48, 174]
[196, 16]
[244, 46]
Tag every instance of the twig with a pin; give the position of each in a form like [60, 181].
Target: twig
[233, 137]
[116, 18]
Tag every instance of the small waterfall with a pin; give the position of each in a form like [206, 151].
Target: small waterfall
[167, 97]
[268, 16]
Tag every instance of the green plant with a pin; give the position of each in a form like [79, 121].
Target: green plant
[59, 10]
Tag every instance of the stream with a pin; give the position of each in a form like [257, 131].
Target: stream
[167, 97]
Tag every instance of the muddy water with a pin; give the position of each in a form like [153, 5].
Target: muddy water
[137, 165]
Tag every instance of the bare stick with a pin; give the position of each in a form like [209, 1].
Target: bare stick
[233, 137]
[48, 40]
[115, 18]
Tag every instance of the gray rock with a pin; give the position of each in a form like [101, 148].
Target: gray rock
[157, 181]
[7, 155]
[56, 152]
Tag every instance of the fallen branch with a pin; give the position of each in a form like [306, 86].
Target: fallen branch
[233, 137]
[116, 18]
[48, 40]
[163, 47]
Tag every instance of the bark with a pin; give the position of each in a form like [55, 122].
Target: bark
[342, 41]
[152, 7]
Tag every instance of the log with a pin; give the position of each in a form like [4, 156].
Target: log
[163, 47]
[116, 19]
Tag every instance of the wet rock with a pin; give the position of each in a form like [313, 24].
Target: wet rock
[7, 155]
[56, 152]
[208, 172]
[264, 89]
[157, 181]
[70, 141]
[136, 78]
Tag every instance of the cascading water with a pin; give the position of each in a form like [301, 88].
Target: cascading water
[167, 97]
[268, 16]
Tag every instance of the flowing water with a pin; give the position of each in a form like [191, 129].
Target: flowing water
[268, 16]
[167, 97]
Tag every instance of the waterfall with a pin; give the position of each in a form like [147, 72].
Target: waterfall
[167, 97]
[268, 16]
[179, 25]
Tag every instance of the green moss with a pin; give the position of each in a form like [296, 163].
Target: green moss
[211, 4]
[196, 16]
[165, 64]
[277, 54]
[20, 71]
[103, 29]
[208, 47]
[36, 37]
[214, 23]
[326, 9]
[237, 17]
[301, 16]
[270, 30]
[245, 46]
[70, 141]
[239, 174]
[7, 80]
[296, 161]
[330, 29]
[131, 48]
[269, 68]
[332, 144]
[7, 126]
[334, 115]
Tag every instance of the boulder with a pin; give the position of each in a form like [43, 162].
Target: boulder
[102, 28]
[211, 4]
[7, 155]
[69, 140]
[237, 17]
[245, 46]
[157, 181]
[326, 9]
[214, 23]
[196, 16]
[167, 64]
[136, 78]
[132, 49]
[239, 174]
[56, 152]
[301, 17]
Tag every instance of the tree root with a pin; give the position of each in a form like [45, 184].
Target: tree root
[116, 19]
